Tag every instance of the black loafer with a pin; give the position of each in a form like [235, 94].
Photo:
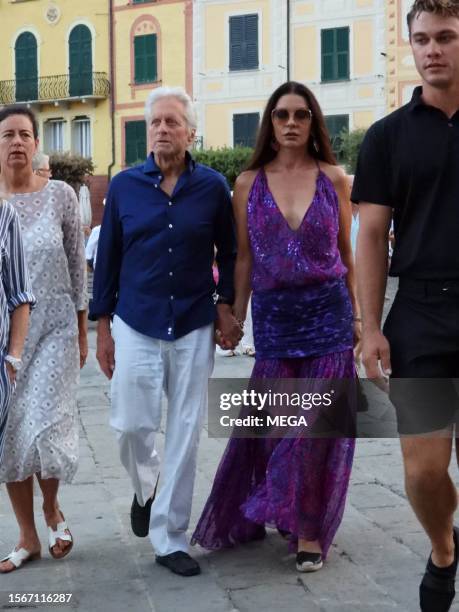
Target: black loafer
[180, 563]
[437, 590]
[140, 517]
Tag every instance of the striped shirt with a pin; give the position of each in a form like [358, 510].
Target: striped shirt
[15, 288]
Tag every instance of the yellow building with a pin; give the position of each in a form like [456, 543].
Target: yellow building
[246, 49]
[239, 59]
[55, 57]
[402, 76]
[338, 50]
[152, 46]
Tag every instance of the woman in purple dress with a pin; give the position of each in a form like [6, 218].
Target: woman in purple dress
[293, 217]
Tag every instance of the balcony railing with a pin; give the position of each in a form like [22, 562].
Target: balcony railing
[55, 88]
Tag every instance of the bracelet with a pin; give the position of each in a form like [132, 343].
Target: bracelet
[240, 323]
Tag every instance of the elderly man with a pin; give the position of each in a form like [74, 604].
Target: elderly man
[161, 224]
[408, 166]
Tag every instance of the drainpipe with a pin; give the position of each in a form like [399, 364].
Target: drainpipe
[288, 40]
[112, 85]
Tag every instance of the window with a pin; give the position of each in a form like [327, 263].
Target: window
[335, 54]
[335, 125]
[81, 136]
[54, 135]
[243, 42]
[245, 127]
[80, 57]
[136, 141]
[25, 52]
[145, 57]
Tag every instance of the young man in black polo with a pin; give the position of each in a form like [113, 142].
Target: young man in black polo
[409, 167]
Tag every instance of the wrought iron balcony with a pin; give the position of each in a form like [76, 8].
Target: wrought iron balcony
[56, 88]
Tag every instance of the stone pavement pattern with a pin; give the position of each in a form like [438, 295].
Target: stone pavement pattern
[375, 564]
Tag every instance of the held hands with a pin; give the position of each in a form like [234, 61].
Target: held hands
[228, 330]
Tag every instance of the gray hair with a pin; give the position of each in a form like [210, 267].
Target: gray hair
[39, 160]
[172, 92]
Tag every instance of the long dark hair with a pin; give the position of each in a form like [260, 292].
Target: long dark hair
[318, 145]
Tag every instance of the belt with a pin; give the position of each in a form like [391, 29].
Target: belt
[430, 287]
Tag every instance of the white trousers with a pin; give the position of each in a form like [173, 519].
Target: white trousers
[144, 367]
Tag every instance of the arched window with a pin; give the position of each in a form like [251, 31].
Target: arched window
[80, 61]
[25, 52]
[145, 52]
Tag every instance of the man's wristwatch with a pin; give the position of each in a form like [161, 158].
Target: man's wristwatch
[14, 362]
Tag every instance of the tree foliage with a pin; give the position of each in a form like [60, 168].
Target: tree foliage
[350, 147]
[229, 162]
[72, 169]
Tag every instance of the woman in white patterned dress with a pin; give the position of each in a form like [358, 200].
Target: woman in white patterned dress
[42, 429]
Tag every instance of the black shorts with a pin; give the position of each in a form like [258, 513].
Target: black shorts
[423, 332]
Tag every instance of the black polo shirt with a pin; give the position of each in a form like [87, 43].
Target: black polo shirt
[410, 161]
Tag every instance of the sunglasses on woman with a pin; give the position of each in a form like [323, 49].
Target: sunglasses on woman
[300, 115]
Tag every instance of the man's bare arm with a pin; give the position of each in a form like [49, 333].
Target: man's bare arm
[371, 260]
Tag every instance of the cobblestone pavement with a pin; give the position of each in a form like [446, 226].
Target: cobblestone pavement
[375, 564]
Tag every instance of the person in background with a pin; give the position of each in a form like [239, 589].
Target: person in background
[40, 165]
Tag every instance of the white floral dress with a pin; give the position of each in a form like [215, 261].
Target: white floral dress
[42, 428]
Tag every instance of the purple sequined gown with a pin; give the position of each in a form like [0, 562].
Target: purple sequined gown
[302, 320]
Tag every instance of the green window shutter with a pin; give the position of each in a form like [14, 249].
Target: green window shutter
[243, 42]
[251, 36]
[245, 126]
[335, 125]
[342, 51]
[26, 67]
[80, 61]
[236, 43]
[135, 141]
[335, 54]
[145, 58]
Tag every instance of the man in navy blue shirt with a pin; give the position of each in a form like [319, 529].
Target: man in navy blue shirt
[163, 221]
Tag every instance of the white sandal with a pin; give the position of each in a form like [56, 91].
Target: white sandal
[59, 534]
[19, 557]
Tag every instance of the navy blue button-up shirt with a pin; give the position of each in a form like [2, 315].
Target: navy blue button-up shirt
[155, 253]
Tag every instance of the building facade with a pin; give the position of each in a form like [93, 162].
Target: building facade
[239, 58]
[55, 58]
[244, 50]
[402, 76]
[338, 50]
[152, 46]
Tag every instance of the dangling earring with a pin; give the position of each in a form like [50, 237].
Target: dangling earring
[315, 145]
